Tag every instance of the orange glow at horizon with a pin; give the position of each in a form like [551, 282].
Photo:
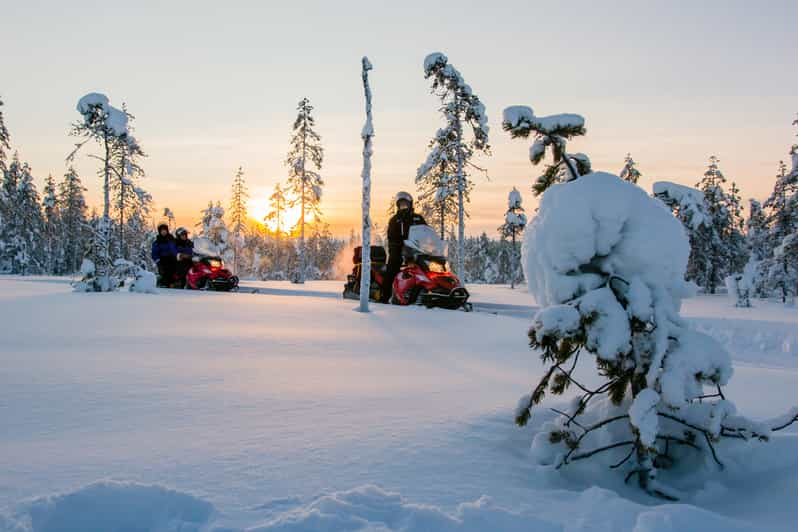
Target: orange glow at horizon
[259, 209]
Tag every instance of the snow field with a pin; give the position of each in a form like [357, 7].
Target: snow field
[205, 411]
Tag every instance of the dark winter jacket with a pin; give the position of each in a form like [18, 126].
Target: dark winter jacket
[185, 246]
[164, 247]
[399, 227]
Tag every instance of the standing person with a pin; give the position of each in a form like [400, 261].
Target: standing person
[398, 231]
[185, 250]
[164, 253]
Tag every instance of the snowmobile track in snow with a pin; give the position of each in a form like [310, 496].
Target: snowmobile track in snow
[499, 309]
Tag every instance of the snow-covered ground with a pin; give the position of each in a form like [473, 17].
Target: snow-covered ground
[286, 410]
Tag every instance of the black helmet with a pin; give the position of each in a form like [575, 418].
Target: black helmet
[404, 196]
[163, 226]
[181, 230]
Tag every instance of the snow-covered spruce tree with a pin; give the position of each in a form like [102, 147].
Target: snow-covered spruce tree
[108, 127]
[606, 264]
[551, 134]
[74, 223]
[367, 133]
[238, 215]
[214, 230]
[782, 207]
[436, 181]
[51, 220]
[514, 223]
[461, 109]
[690, 207]
[129, 200]
[276, 219]
[170, 216]
[629, 172]
[5, 141]
[304, 154]
[21, 251]
[723, 240]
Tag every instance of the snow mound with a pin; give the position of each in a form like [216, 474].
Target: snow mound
[144, 283]
[609, 224]
[111, 506]
[371, 508]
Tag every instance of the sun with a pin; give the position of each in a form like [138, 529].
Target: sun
[259, 209]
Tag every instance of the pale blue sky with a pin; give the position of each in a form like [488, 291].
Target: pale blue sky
[214, 85]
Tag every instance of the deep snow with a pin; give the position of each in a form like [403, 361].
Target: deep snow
[191, 411]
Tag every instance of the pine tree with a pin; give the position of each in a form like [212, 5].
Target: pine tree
[551, 134]
[108, 127]
[304, 154]
[213, 228]
[436, 181]
[722, 238]
[629, 172]
[170, 216]
[26, 253]
[20, 232]
[5, 141]
[74, 223]
[461, 109]
[53, 253]
[129, 201]
[238, 214]
[782, 206]
[514, 223]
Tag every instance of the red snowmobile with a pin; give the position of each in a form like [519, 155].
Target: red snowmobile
[423, 279]
[209, 273]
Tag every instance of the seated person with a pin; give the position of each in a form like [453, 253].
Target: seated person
[185, 250]
[164, 252]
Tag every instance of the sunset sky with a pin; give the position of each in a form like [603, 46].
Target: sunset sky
[214, 85]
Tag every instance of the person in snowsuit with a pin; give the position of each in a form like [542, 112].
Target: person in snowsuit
[398, 231]
[185, 250]
[164, 253]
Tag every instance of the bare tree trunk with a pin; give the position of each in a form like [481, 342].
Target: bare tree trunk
[365, 250]
[460, 194]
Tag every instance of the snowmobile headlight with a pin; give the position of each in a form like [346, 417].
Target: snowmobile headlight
[436, 267]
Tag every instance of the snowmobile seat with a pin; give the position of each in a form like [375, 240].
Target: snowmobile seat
[378, 255]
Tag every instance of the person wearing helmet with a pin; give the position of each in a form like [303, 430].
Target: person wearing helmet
[398, 230]
[164, 253]
[185, 250]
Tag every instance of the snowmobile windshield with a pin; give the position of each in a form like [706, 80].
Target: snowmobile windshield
[426, 241]
[204, 247]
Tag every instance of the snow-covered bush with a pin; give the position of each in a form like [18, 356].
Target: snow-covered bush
[606, 263]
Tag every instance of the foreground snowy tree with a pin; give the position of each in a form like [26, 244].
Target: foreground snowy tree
[629, 172]
[606, 263]
[238, 215]
[305, 154]
[108, 127]
[461, 109]
[551, 134]
[514, 223]
[367, 133]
